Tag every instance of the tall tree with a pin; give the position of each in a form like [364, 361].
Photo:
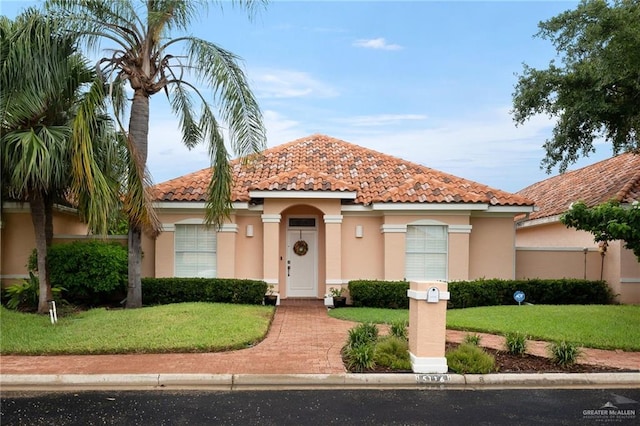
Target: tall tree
[55, 142]
[146, 56]
[595, 91]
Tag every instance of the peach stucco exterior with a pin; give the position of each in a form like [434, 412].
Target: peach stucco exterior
[551, 250]
[548, 249]
[480, 244]
[17, 238]
[350, 208]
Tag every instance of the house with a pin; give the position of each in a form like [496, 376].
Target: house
[317, 212]
[547, 249]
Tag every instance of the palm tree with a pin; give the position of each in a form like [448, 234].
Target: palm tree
[54, 140]
[140, 35]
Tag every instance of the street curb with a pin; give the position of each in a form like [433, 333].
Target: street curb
[231, 382]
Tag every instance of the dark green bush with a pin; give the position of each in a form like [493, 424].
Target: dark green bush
[93, 272]
[486, 292]
[379, 294]
[162, 291]
[491, 292]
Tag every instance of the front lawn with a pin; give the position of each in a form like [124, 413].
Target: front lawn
[182, 327]
[593, 326]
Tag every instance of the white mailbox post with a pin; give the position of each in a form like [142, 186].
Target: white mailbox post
[427, 326]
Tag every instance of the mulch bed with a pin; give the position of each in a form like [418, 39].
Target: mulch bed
[507, 363]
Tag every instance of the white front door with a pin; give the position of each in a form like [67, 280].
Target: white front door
[302, 268]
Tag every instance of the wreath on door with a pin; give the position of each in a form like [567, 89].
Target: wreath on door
[300, 247]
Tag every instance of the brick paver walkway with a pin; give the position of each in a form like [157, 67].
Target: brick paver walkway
[302, 339]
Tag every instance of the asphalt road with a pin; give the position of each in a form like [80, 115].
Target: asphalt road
[359, 407]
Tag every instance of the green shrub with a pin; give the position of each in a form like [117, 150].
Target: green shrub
[470, 359]
[93, 272]
[26, 295]
[362, 335]
[516, 343]
[162, 291]
[392, 352]
[486, 292]
[473, 339]
[492, 292]
[399, 329]
[563, 353]
[379, 294]
[361, 358]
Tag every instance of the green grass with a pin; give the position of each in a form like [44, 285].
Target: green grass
[183, 327]
[593, 326]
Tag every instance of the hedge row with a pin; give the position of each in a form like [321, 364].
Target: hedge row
[486, 292]
[379, 294]
[162, 291]
[490, 292]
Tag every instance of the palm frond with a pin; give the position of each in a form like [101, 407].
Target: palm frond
[219, 189]
[182, 106]
[238, 107]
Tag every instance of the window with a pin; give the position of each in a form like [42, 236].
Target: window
[195, 251]
[302, 222]
[426, 252]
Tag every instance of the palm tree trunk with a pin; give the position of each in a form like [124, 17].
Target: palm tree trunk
[134, 291]
[139, 135]
[38, 216]
[48, 221]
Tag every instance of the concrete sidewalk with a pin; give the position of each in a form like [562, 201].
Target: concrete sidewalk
[302, 347]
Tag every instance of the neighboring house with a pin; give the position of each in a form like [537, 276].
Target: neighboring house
[317, 212]
[17, 237]
[548, 249]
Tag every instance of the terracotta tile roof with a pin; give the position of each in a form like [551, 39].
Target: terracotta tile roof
[616, 178]
[322, 163]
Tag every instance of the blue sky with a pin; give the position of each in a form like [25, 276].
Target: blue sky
[430, 82]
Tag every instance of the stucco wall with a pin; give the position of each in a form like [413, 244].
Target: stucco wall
[491, 253]
[362, 257]
[18, 238]
[552, 250]
[557, 263]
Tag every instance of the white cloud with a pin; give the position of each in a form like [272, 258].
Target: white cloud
[279, 84]
[376, 43]
[488, 149]
[281, 129]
